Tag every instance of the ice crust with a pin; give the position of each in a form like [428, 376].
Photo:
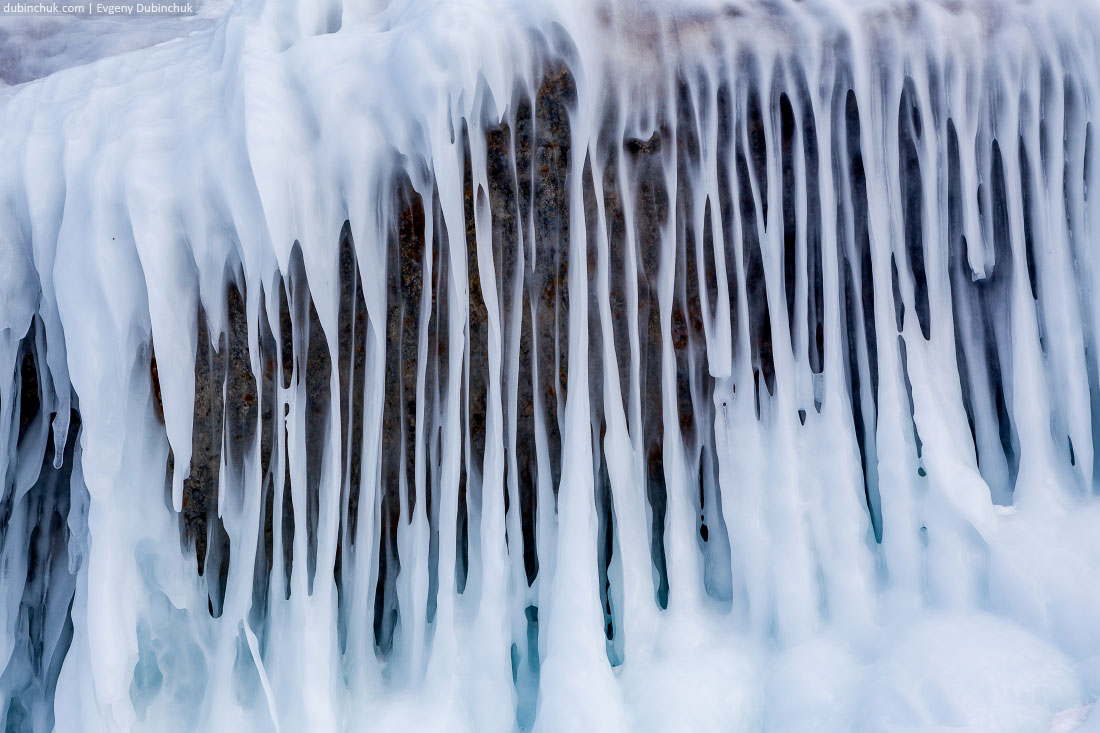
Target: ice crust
[757, 389]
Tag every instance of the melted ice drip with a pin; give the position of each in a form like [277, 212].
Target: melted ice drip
[479, 367]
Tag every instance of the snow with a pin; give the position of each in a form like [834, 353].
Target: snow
[866, 338]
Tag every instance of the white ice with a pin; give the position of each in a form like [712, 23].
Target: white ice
[909, 529]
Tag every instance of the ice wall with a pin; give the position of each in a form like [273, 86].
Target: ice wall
[481, 366]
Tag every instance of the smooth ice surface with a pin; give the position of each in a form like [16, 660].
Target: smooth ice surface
[495, 365]
[34, 45]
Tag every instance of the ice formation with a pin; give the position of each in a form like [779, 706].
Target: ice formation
[577, 366]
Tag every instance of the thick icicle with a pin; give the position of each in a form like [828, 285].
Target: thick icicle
[511, 366]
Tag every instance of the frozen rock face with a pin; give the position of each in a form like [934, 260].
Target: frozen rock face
[633, 367]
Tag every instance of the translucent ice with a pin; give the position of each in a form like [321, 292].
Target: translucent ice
[496, 365]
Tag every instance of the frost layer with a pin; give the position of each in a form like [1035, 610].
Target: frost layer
[615, 367]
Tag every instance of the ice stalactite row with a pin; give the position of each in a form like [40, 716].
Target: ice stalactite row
[486, 366]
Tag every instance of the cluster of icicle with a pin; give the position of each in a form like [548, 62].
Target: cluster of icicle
[512, 365]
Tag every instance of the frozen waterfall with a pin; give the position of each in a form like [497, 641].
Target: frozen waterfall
[572, 365]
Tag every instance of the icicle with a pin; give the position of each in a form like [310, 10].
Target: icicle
[555, 366]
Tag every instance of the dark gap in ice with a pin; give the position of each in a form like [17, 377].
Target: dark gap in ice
[200, 487]
[726, 169]
[909, 394]
[787, 125]
[758, 315]
[859, 317]
[241, 399]
[961, 286]
[1029, 225]
[899, 305]
[549, 269]
[757, 153]
[912, 192]
[815, 296]
[996, 300]
[651, 213]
